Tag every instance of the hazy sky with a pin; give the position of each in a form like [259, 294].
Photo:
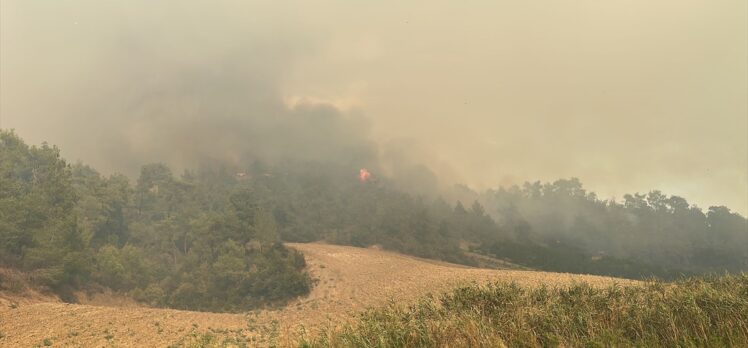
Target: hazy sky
[626, 95]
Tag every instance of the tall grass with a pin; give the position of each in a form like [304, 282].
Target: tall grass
[694, 312]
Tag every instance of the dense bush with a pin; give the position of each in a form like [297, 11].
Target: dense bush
[186, 243]
[560, 257]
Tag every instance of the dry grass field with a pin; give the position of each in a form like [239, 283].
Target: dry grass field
[347, 280]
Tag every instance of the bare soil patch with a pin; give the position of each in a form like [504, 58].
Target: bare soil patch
[348, 280]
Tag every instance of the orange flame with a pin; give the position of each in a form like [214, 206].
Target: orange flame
[363, 175]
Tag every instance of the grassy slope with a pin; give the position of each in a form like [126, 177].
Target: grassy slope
[348, 280]
[709, 311]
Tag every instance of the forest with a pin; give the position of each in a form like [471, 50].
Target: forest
[189, 243]
[211, 238]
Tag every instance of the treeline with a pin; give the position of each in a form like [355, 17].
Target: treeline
[321, 201]
[645, 234]
[555, 226]
[210, 238]
[184, 242]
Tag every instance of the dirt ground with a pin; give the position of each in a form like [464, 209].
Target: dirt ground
[348, 280]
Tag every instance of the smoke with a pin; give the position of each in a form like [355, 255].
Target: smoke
[121, 86]
[191, 116]
[626, 96]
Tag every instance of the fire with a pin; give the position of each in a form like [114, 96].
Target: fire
[363, 175]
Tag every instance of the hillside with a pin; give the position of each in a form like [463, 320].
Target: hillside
[706, 311]
[347, 280]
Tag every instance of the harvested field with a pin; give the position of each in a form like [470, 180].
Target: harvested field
[348, 280]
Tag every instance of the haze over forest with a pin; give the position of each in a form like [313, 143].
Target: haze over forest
[627, 96]
[349, 173]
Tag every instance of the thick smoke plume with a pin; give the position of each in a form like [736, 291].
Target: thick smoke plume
[177, 85]
[627, 96]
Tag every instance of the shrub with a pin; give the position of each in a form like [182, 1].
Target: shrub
[711, 312]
